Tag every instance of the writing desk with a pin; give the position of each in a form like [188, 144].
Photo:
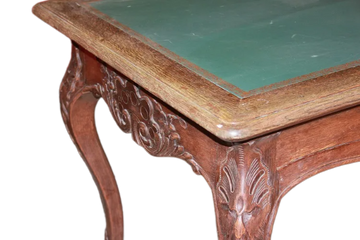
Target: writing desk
[256, 96]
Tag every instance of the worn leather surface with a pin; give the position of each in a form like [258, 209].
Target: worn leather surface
[250, 44]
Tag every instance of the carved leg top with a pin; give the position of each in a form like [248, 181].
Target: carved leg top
[246, 191]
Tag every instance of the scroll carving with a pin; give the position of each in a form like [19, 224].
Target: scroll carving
[144, 117]
[72, 83]
[133, 111]
[246, 192]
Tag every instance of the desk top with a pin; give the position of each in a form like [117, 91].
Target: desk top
[240, 69]
[249, 44]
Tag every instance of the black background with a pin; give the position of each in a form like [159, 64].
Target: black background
[164, 200]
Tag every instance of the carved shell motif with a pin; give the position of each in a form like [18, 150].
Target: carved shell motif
[246, 193]
[144, 117]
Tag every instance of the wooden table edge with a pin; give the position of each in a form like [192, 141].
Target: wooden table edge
[228, 117]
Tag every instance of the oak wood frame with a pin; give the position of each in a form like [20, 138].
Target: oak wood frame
[247, 179]
[176, 81]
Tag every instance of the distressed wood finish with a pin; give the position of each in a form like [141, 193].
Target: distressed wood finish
[164, 75]
[247, 179]
[247, 190]
[77, 109]
[144, 117]
[253, 149]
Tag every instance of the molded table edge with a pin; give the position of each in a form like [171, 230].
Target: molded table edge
[219, 112]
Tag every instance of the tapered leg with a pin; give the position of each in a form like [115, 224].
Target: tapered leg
[78, 105]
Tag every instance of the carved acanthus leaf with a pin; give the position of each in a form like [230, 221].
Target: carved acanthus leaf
[72, 84]
[144, 117]
[133, 111]
[246, 192]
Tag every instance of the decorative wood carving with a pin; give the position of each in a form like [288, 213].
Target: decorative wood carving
[77, 109]
[247, 189]
[144, 117]
[73, 82]
[246, 184]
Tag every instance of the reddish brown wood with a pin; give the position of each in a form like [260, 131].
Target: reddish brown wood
[247, 179]
[308, 149]
[231, 142]
[77, 108]
[247, 190]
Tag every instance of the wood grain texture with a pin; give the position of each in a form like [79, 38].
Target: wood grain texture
[247, 190]
[250, 46]
[216, 110]
[248, 180]
[308, 149]
[77, 109]
[144, 117]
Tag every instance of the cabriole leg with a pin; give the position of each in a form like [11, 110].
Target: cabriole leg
[77, 106]
[246, 191]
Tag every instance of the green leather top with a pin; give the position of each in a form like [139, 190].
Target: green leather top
[248, 43]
